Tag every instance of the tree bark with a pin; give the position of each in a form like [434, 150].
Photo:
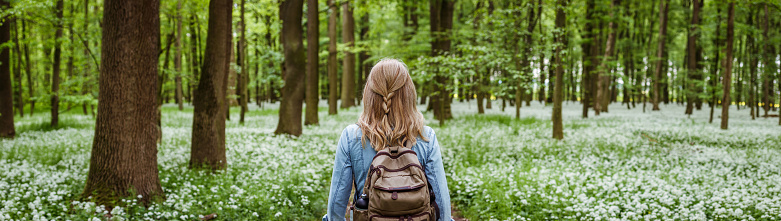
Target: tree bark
[587, 48]
[313, 62]
[663, 6]
[348, 63]
[55, 99]
[178, 56]
[333, 80]
[208, 137]
[18, 71]
[124, 150]
[295, 61]
[7, 129]
[603, 95]
[769, 66]
[728, 67]
[28, 69]
[87, 68]
[561, 21]
[195, 62]
[692, 71]
[241, 61]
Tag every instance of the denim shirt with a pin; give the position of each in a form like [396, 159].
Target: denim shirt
[354, 158]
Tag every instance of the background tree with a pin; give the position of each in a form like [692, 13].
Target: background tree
[55, 97]
[332, 66]
[728, 67]
[348, 63]
[312, 65]
[663, 8]
[561, 21]
[124, 150]
[208, 138]
[290, 12]
[6, 97]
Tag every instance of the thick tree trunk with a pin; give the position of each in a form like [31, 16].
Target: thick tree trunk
[348, 63]
[6, 95]
[561, 21]
[55, 98]
[295, 61]
[663, 6]
[333, 78]
[208, 137]
[728, 67]
[124, 150]
[312, 65]
[178, 57]
[603, 92]
[441, 21]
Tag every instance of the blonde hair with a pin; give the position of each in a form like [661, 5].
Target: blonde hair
[390, 115]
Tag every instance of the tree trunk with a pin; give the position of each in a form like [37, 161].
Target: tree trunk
[178, 57]
[18, 71]
[28, 70]
[295, 61]
[587, 67]
[441, 21]
[124, 150]
[87, 68]
[691, 59]
[768, 66]
[333, 79]
[363, 66]
[6, 95]
[348, 63]
[728, 67]
[208, 137]
[312, 65]
[55, 99]
[715, 75]
[241, 61]
[561, 21]
[195, 63]
[603, 92]
[663, 6]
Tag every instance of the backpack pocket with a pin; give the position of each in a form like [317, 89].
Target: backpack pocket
[423, 216]
[397, 195]
[360, 214]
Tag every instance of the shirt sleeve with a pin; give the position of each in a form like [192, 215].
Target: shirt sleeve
[341, 181]
[435, 172]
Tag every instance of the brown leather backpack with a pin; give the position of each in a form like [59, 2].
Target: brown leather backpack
[396, 189]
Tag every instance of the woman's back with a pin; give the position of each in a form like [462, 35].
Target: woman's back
[353, 158]
[390, 118]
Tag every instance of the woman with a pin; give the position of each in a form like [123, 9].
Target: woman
[390, 115]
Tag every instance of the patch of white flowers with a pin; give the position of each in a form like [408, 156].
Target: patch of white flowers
[622, 165]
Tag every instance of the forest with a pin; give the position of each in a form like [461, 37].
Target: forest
[545, 109]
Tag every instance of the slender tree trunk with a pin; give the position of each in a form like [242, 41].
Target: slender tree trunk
[715, 75]
[55, 99]
[333, 79]
[348, 63]
[18, 71]
[124, 150]
[208, 137]
[561, 21]
[363, 67]
[7, 129]
[587, 67]
[728, 67]
[87, 68]
[295, 61]
[769, 65]
[691, 60]
[28, 69]
[241, 61]
[663, 6]
[603, 93]
[178, 56]
[312, 65]
[195, 63]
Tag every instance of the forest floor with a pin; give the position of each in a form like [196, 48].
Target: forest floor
[624, 164]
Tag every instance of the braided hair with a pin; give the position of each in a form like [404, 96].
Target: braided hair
[390, 116]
